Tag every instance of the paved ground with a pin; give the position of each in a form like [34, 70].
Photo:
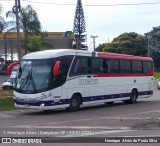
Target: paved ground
[3, 78]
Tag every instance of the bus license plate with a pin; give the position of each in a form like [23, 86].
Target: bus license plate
[26, 105]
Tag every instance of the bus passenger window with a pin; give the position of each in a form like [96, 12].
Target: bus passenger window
[105, 66]
[137, 66]
[80, 66]
[147, 66]
[97, 65]
[114, 65]
[125, 66]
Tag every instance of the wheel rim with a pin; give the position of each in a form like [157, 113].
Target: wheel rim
[74, 103]
[134, 96]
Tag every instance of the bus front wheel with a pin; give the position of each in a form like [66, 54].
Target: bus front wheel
[74, 103]
[133, 97]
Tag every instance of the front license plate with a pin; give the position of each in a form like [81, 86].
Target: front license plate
[26, 105]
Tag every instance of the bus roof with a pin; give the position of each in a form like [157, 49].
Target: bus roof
[61, 52]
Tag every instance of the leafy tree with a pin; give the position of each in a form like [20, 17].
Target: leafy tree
[3, 28]
[128, 43]
[1, 8]
[37, 43]
[154, 38]
[100, 47]
[2, 22]
[28, 22]
[154, 43]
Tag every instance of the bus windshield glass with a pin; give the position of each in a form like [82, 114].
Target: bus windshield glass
[34, 76]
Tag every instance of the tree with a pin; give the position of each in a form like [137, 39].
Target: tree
[2, 21]
[1, 8]
[28, 23]
[37, 43]
[79, 27]
[153, 38]
[128, 43]
[100, 47]
[3, 28]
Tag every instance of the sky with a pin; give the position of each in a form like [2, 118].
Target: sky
[106, 22]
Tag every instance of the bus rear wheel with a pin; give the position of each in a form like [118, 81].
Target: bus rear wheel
[133, 97]
[74, 103]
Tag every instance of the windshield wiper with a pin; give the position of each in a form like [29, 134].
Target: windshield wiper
[33, 84]
[24, 80]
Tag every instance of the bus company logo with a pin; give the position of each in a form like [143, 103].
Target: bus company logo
[88, 81]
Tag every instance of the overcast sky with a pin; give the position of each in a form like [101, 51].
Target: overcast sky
[107, 22]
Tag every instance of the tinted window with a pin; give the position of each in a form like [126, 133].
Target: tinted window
[65, 64]
[97, 65]
[125, 66]
[137, 67]
[114, 66]
[80, 66]
[147, 66]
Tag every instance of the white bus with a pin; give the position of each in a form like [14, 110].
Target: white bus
[66, 78]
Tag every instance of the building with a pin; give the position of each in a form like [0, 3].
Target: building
[58, 40]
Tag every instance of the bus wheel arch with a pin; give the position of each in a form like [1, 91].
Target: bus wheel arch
[75, 102]
[133, 96]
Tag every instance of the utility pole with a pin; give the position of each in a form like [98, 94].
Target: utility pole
[149, 49]
[16, 10]
[148, 36]
[94, 41]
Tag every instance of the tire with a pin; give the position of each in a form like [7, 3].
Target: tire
[133, 97]
[74, 103]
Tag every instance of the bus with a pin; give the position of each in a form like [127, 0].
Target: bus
[67, 78]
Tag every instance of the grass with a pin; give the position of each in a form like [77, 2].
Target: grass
[157, 75]
[6, 93]
[6, 100]
[6, 104]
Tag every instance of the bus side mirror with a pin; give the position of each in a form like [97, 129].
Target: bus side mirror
[56, 68]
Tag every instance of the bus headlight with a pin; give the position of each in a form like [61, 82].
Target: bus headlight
[42, 104]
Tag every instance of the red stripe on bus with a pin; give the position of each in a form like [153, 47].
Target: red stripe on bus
[122, 56]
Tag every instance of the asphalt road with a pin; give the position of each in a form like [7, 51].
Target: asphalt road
[97, 123]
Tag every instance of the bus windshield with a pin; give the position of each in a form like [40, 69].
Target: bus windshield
[34, 76]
